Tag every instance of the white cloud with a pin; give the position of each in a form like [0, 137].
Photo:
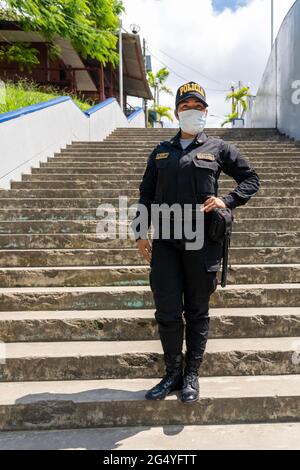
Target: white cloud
[227, 46]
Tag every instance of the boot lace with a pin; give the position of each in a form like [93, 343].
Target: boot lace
[189, 379]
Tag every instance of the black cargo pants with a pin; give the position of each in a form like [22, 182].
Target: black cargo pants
[182, 283]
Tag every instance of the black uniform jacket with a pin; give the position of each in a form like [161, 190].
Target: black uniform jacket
[189, 176]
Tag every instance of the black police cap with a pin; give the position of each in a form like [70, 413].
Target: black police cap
[189, 90]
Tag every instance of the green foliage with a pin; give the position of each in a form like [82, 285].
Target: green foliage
[162, 111]
[7, 14]
[230, 118]
[25, 56]
[25, 93]
[90, 25]
[157, 82]
[238, 97]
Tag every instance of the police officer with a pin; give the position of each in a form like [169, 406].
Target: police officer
[185, 170]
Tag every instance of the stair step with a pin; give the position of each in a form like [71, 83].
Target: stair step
[86, 360]
[57, 213]
[268, 156]
[264, 242]
[270, 181]
[140, 325]
[91, 226]
[81, 404]
[103, 169]
[135, 275]
[84, 165]
[267, 436]
[141, 141]
[110, 254]
[92, 203]
[115, 297]
[98, 176]
[98, 193]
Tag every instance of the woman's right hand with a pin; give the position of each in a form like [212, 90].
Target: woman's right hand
[144, 249]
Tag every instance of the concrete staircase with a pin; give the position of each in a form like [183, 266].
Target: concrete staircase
[77, 312]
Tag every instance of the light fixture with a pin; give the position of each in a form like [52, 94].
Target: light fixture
[135, 29]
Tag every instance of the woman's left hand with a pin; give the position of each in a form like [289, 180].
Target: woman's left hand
[211, 203]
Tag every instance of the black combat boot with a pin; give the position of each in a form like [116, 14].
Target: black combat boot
[190, 388]
[172, 379]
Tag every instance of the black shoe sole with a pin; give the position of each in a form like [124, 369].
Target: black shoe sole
[189, 402]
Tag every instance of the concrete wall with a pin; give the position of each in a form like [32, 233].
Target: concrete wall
[277, 103]
[30, 135]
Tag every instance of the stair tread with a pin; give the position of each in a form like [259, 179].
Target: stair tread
[137, 267]
[108, 348]
[263, 436]
[11, 290]
[110, 390]
[143, 313]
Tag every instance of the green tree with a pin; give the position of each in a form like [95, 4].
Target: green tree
[238, 97]
[90, 25]
[23, 54]
[229, 118]
[239, 102]
[157, 82]
[161, 111]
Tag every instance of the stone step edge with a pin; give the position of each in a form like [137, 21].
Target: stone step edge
[144, 313]
[244, 219]
[82, 349]
[141, 289]
[125, 390]
[139, 267]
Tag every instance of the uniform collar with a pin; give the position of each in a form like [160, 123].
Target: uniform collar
[199, 139]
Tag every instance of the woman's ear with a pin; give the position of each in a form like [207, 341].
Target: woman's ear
[206, 111]
[176, 114]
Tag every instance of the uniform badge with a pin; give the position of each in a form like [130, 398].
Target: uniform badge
[205, 156]
[161, 155]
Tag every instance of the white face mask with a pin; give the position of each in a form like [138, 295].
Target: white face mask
[192, 121]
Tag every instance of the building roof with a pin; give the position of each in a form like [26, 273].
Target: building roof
[135, 78]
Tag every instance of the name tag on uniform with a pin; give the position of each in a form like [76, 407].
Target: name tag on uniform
[205, 156]
[161, 155]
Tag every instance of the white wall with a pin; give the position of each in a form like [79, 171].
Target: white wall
[37, 132]
[277, 103]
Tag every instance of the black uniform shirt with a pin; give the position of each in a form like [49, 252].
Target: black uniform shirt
[189, 176]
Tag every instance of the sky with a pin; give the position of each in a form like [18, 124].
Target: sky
[211, 42]
[220, 5]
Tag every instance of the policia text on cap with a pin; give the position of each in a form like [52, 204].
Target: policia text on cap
[185, 170]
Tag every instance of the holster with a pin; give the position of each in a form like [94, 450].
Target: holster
[220, 231]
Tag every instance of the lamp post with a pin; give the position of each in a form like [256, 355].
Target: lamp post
[145, 99]
[272, 23]
[120, 66]
[156, 93]
[232, 99]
